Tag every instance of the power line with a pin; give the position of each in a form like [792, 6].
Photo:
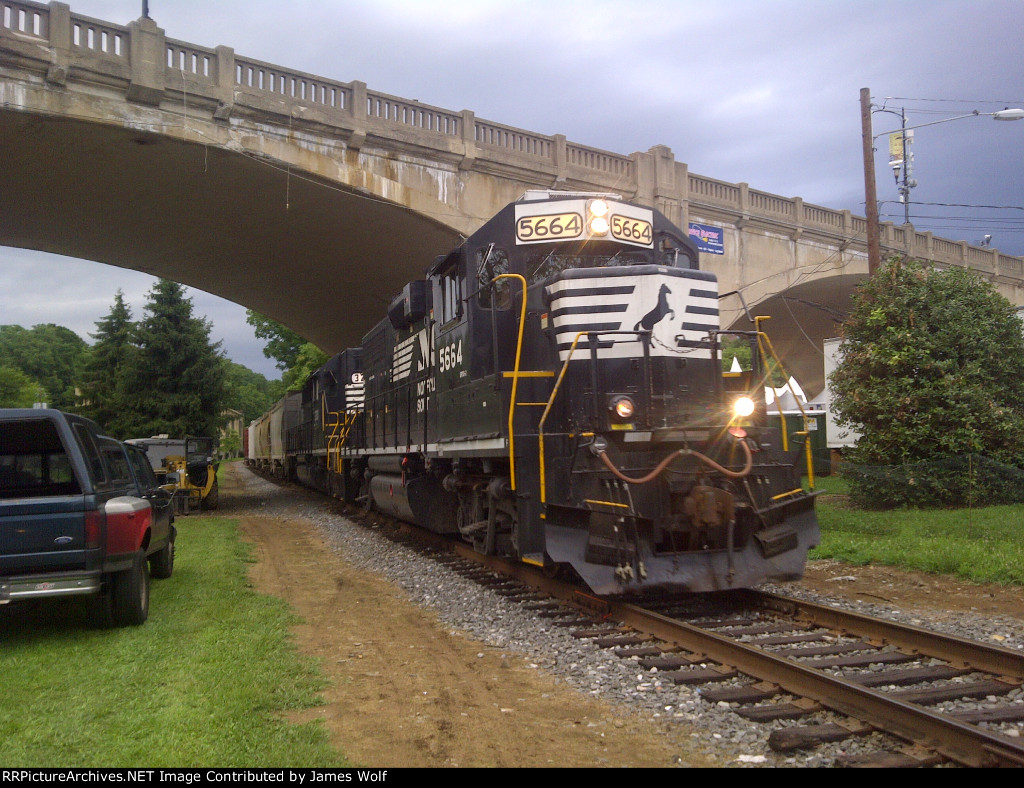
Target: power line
[954, 101]
[966, 205]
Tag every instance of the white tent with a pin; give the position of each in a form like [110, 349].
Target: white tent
[790, 398]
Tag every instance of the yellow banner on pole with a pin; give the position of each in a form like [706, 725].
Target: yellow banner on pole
[895, 146]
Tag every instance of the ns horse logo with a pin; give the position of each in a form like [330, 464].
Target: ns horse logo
[659, 313]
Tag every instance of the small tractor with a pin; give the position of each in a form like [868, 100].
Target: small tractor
[186, 468]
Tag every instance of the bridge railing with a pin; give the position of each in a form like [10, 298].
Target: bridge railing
[101, 39]
[294, 88]
[198, 63]
[399, 112]
[224, 80]
[27, 18]
[513, 140]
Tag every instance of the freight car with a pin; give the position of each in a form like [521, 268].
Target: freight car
[551, 391]
[267, 435]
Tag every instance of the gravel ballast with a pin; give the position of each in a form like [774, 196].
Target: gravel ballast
[474, 611]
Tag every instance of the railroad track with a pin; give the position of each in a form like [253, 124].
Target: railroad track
[779, 658]
[772, 657]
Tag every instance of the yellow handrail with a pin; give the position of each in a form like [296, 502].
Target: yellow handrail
[515, 379]
[785, 439]
[544, 417]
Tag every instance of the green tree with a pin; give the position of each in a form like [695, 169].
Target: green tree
[49, 354]
[249, 392]
[283, 344]
[17, 390]
[734, 347]
[174, 383]
[100, 388]
[308, 361]
[932, 368]
[231, 444]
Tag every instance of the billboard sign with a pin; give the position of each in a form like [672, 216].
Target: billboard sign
[708, 239]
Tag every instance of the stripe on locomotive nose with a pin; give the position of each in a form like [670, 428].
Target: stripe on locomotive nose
[580, 292]
[678, 314]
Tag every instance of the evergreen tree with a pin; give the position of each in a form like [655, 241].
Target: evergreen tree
[100, 387]
[174, 382]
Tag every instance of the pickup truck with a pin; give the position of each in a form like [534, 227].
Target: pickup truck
[80, 514]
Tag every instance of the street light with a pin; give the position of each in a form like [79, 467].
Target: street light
[871, 197]
[900, 157]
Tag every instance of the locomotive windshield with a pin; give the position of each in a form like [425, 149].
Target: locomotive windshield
[540, 265]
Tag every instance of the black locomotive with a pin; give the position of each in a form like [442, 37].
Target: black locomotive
[552, 391]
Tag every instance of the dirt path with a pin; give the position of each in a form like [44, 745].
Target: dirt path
[404, 692]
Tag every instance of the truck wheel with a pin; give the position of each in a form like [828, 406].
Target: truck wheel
[129, 594]
[161, 564]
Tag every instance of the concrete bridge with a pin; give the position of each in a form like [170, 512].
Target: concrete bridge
[313, 201]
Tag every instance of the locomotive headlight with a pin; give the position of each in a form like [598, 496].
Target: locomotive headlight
[743, 407]
[623, 407]
[597, 217]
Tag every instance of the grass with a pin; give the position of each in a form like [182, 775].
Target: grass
[204, 682]
[981, 544]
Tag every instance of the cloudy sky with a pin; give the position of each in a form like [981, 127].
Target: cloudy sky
[761, 92]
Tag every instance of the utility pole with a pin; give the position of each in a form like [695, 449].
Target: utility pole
[870, 194]
[900, 157]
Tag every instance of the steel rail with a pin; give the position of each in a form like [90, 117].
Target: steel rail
[958, 651]
[963, 743]
[960, 742]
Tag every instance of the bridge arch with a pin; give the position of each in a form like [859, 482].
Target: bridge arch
[264, 228]
[313, 201]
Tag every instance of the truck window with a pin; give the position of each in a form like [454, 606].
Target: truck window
[33, 461]
[143, 470]
[116, 461]
[92, 454]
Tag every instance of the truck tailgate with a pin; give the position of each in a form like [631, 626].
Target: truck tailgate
[39, 534]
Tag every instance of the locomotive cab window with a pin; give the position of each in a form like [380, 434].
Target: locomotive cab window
[490, 263]
[448, 291]
[674, 253]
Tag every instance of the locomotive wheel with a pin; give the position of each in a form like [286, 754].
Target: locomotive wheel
[550, 569]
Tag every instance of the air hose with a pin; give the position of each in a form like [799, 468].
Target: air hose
[661, 466]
